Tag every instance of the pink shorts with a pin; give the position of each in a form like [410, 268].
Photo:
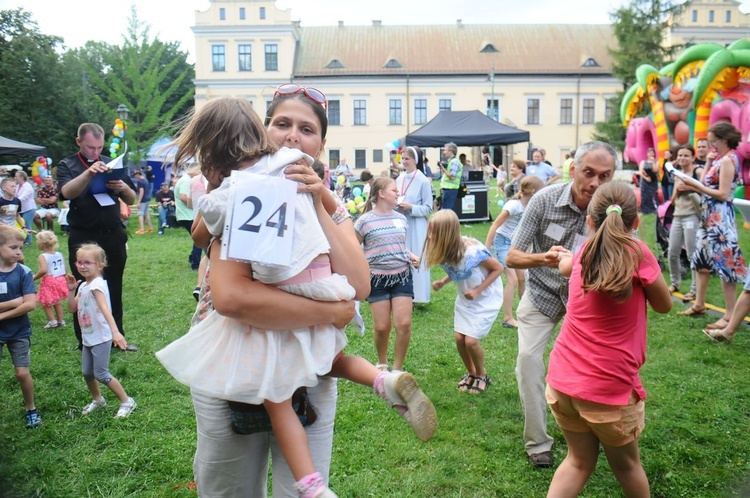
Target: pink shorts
[613, 425]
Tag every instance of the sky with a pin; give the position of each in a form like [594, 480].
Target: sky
[78, 21]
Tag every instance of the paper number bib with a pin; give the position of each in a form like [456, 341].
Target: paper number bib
[260, 219]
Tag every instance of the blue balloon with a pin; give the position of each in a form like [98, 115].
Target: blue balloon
[500, 203]
[356, 191]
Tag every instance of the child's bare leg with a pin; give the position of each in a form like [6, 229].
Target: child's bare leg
[59, 312]
[625, 462]
[402, 314]
[476, 352]
[48, 312]
[573, 473]
[291, 437]
[27, 386]
[464, 354]
[381, 318]
[355, 369]
[94, 390]
[115, 386]
[509, 294]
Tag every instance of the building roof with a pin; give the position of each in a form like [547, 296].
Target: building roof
[453, 49]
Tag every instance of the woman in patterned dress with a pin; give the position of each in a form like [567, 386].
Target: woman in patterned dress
[717, 250]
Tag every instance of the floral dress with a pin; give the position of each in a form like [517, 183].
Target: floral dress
[717, 248]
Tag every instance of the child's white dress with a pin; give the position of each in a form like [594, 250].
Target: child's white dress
[226, 359]
[474, 318]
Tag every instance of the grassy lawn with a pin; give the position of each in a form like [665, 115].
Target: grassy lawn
[695, 443]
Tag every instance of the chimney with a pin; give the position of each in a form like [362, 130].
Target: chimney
[377, 23]
[459, 23]
[341, 24]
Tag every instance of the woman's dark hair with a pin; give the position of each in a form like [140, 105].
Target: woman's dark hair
[318, 109]
[365, 176]
[725, 130]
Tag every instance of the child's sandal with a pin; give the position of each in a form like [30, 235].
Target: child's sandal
[479, 385]
[465, 382]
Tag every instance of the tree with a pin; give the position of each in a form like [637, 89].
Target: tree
[152, 78]
[639, 31]
[34, 102]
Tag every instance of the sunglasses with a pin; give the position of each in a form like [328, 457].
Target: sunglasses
[85, 263]
[311, 93]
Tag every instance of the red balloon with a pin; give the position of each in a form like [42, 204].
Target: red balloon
[37, 179]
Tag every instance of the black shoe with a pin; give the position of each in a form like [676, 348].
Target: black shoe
[197, 293]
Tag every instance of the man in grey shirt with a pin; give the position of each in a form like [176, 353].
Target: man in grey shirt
[553, 223]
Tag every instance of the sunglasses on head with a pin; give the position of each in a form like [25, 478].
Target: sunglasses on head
[311, 93]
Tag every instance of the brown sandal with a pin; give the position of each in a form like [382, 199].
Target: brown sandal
[693, 311]
[690, 296]
[673, 289]
[717, 335]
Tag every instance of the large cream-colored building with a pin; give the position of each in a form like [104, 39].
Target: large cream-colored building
[383, 82]
[718, 21]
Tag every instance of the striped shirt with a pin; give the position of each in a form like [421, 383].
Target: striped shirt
[551, 218]
[384, 241]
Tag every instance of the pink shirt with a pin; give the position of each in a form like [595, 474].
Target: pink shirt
[602, 343]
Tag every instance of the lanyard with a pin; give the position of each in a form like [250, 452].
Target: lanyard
[405, 190]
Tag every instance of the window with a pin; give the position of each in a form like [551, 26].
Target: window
[532, 111]
[394, 112]
[589, 108]
[566, 111]
[729, 16]
[245, 57]
[710, 16]
[242, 13]
[360, 113]
[222, 14]
[445, 105]
[377, 155]
[695, 15]
[420, 111]
[218, 58]
[334, 113]
[360, 158]
[493, 109]
[334, 155]
[272, 57]
[262, 13]
[609, 109]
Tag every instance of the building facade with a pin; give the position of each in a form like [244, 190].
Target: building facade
[383, 82]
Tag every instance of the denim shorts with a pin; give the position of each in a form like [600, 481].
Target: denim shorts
[501, 246]
[612, 425]
[380, 290]
[143, 208]
[20, 351]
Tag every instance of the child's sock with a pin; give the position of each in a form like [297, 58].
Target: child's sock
[309, 485]
[379, 388]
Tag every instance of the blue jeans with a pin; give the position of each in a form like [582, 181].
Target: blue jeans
[449, 198]
[163, 212]
[28, 218]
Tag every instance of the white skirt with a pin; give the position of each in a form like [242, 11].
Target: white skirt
[226, 359]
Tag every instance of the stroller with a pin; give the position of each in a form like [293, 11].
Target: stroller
[664, 215]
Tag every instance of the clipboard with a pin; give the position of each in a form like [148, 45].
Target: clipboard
[116, 171]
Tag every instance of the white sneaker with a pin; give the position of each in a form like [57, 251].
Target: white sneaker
[52, 324]
[93, 406]
[402, 390]
[126, 408]
[61, 324]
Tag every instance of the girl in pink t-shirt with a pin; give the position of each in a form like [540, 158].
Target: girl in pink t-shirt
[593, 387]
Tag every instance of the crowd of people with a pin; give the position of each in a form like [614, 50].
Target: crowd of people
[271, 338]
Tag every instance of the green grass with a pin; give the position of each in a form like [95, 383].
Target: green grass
[695, 443]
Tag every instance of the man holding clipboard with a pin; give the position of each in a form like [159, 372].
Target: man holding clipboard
[93, 188]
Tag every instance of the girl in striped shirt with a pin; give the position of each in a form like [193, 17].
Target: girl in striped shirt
[382, 232]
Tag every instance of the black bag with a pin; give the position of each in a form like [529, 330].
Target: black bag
[463, 190]
[249, 419]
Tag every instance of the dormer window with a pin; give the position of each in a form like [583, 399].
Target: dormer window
[590, 62]
[393, 64]
[335, 64]
[489, 48]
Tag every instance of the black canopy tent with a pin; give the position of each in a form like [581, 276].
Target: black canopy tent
[465, 129]
[16, 148]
